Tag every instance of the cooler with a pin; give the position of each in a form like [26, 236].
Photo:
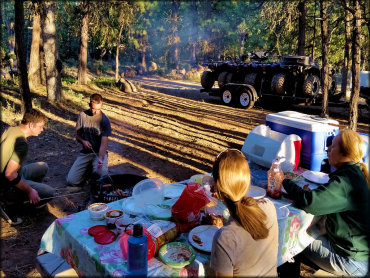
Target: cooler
[314, 132]
[263, 145]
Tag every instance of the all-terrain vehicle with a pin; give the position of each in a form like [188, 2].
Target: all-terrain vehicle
[220, 71]
[300, 76]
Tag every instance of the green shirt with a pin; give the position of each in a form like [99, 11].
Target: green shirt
[345, 202]
[13, 147]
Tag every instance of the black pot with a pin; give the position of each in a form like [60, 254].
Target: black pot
[124, 182]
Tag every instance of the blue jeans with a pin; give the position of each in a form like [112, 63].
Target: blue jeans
[322, 253]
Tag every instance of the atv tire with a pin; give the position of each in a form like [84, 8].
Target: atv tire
[250, 78]
[311, 86]
[277, 83]
[229, 78]
[222, 78]
[207, 80]
[332, 86]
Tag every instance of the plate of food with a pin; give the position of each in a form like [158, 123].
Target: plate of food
[201, 237]
[256, 192]
[316, 177]
[177, 254]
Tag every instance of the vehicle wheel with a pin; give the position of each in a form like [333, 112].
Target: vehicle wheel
[207, 80]
[246, 99]
[277, 83]
[221, 78]
[227, 97]
[250, 78]
[229, 78]
[311, 86]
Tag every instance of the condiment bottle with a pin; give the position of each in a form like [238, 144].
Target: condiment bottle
[137, 252]
[275, 177]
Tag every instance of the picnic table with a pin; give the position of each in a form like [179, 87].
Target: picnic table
[68, 238]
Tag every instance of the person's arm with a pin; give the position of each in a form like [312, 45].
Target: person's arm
[86, 144]
[11, 173]
[102, 150]
[329, 198]
[219, 274]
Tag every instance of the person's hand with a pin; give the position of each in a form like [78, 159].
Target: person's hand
[86, 144]
[33, 196]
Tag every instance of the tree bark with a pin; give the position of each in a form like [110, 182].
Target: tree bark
[21, 57]
[325, 62]
[347, 47]
[34, 75]
[176, 38]
[117, 50]
[356, 63]
[194, 32]
[53, 79]
[82, 57]
[302, 27]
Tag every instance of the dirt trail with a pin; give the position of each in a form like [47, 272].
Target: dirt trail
[170, 135]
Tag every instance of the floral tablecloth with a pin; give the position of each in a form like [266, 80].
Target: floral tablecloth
[68, 238]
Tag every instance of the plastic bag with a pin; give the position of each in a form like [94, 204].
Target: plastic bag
[152, 246]
[186, 211]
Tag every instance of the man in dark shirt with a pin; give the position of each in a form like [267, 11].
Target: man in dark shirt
[21, 183]
[92, 131]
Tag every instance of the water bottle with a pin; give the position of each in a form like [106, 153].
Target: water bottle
[137, 252]
[275, 177]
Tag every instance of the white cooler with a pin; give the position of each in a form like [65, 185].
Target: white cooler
[263, 145]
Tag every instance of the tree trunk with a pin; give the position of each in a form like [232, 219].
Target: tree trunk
[53, 80]
[117, 51]
[347, 47]
[302, 27]
[42, 62]
[176, 38]
[82, 57]
[325, 63]
[194, 32]
[21, 57]
[356, 61]
[9, 26]
[34, 75]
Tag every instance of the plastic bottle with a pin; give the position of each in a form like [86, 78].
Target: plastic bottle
[137, 252]
[275, 177]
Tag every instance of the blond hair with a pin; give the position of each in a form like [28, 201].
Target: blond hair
[352, 145]
[232, 179]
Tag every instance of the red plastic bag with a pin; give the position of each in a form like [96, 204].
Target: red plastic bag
[186, 211]
[152, 246]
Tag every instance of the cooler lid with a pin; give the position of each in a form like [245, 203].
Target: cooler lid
[303, 121]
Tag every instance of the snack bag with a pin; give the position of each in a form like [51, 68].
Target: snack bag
[186, 211]
[152, 247]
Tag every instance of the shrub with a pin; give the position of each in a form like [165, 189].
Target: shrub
[104, 81]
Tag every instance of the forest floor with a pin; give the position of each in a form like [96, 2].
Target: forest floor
[165, 130]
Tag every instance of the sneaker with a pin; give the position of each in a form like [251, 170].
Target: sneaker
[73, 189]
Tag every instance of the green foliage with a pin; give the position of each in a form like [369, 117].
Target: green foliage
[67, 80]
[104, 81]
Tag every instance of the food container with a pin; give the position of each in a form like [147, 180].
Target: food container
[111, 216]
[122, 223]
[97, 211]
[148, 192]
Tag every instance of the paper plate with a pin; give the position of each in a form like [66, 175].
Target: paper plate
[104, 237]
[316, 177]
[201, 237]
[97, 229]
[256, 192]
[173, 190]
[177, 254]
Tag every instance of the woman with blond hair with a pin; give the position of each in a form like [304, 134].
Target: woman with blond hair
[344, 250]
[248, 244]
